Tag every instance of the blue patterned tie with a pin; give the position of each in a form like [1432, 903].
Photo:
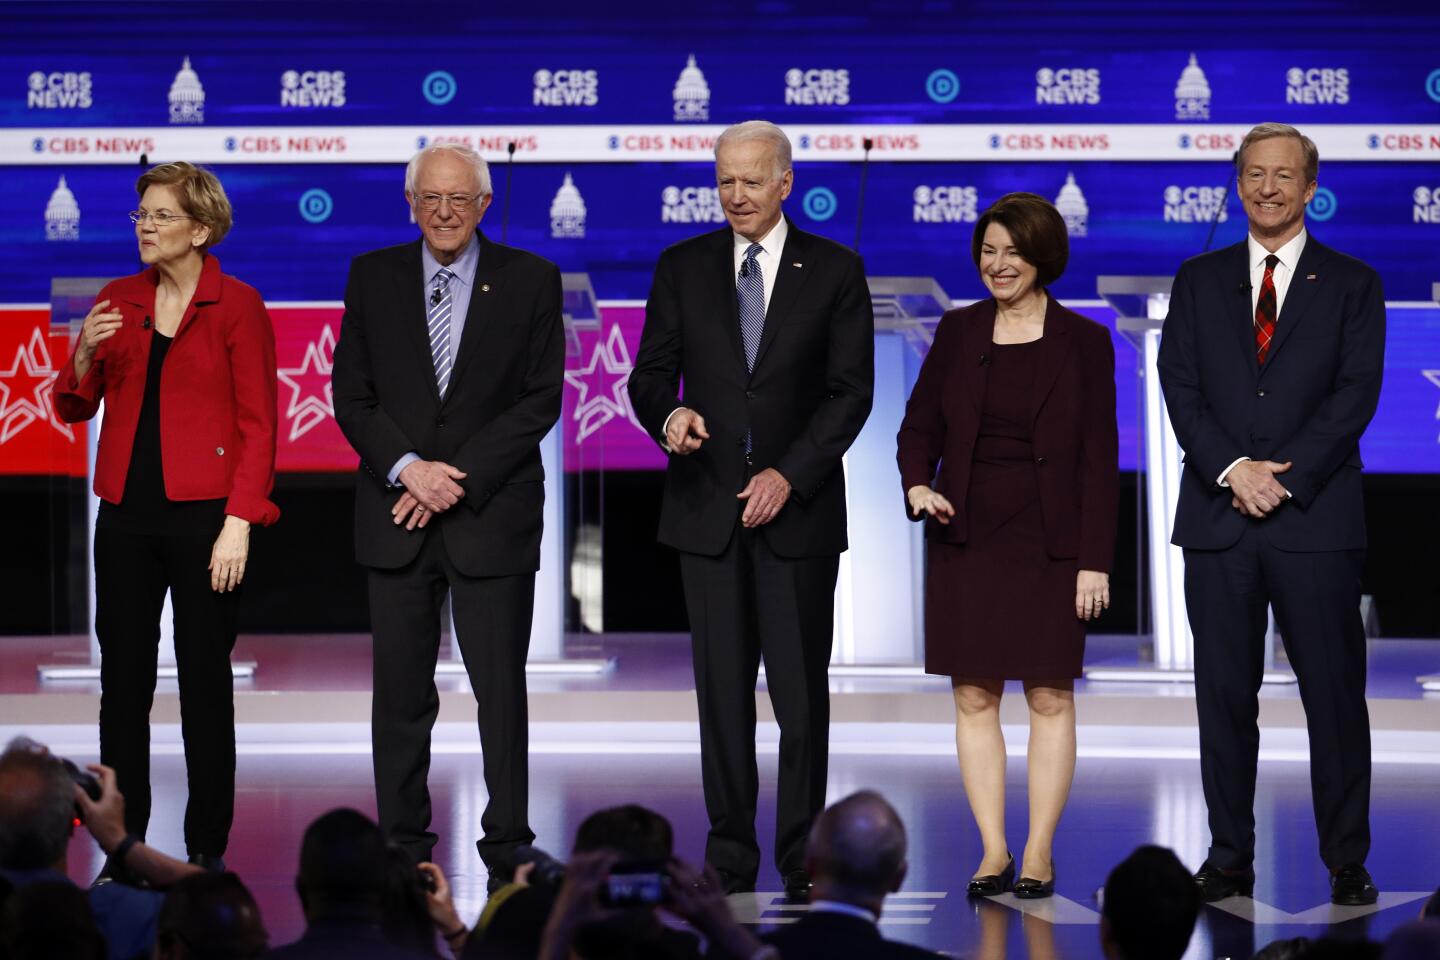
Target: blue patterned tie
[437, 317]
[750, 290]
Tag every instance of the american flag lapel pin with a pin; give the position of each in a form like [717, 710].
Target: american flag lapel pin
[1310, 276]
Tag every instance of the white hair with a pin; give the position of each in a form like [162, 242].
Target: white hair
[759, 130]
[482, 169]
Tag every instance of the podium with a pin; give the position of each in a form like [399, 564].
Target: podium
[547, 625]
[1141, 304]
[1431, 682]
[879, 599]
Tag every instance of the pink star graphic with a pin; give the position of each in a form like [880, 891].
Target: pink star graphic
[312, 401]
[604, 386]
[26, 390]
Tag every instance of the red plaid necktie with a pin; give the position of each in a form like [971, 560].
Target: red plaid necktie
[1265, 310]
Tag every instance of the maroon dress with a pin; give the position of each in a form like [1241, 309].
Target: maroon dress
[999, 606]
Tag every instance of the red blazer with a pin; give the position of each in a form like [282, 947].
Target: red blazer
[217, 394]
[1074, 436]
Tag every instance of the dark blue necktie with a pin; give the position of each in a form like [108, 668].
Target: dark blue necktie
[750, 291]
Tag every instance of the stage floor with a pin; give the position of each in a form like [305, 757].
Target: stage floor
[630, 735]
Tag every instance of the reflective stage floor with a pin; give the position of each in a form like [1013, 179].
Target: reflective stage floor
[630, 736]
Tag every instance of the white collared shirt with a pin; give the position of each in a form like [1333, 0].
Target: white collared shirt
[1289, 256]
[848, 909]
[772, 245]
[768, 259]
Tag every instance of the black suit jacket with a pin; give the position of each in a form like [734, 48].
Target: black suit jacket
[1073, 433]
[1308, 404]
[504, 396]
[804, 404]
[838, 936]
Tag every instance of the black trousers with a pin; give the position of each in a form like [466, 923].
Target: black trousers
[133, 571]
[1316, 597]
[745, 604]
[492, 623]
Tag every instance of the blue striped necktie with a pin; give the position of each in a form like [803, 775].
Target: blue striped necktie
[750, 290]
[437, 317]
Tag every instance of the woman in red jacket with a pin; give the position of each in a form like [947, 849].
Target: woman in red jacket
[184, 358]
[1015, 405]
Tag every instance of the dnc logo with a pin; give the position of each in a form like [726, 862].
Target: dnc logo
[316, 205]
[942, 86]
[1322, 206]
[820, 203]
[438, 87]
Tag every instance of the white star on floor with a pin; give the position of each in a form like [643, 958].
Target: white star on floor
[612, 357]
[309, 408]
[34, 401]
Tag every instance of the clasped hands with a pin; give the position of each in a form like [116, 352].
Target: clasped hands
[431, 487]
[1254, 490]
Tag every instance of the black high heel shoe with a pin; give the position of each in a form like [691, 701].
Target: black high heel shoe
[1028, 888]
[993, 884]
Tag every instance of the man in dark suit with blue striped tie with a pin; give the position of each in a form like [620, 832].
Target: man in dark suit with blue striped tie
[448, 374]
[1271, 363]
[771, 331]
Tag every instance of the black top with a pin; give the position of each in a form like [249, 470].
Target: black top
[144, 508]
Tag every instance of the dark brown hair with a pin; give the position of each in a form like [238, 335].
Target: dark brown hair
[1037, 230]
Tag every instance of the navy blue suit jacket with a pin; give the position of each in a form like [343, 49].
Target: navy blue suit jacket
[1308, 404]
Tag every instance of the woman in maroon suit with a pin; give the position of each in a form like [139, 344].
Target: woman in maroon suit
[1015, 406]
[184, 358]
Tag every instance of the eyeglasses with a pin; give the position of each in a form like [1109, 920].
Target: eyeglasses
[138, 217]
[459, 202]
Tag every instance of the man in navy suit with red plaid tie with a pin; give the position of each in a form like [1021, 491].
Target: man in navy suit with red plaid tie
[1271, 363]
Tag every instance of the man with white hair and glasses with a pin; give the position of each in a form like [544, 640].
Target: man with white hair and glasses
[448, 373]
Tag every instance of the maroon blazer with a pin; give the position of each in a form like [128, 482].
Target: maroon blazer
[1074, 435]
[217, 394]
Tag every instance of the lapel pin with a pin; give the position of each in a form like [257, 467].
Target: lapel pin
[485, 287]
[797, 263]
[1310, 276]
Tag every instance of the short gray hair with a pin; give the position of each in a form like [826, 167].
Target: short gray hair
[482, 169]
[759, 130]
[37, 806]
[1269, 131]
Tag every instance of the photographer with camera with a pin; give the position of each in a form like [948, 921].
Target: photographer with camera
[621, 874]
[41, 797]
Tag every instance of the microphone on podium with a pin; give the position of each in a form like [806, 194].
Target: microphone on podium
[505, 209]
[867, 144]
[1224, 199]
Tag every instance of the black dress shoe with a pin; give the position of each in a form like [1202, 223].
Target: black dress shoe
[1351, 886]
[1028, 888]
[734, 883]
[797, 885]
[993, 884]
[1216, 884]
[206, 862]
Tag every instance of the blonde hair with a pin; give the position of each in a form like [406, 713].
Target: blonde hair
[201, 195]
